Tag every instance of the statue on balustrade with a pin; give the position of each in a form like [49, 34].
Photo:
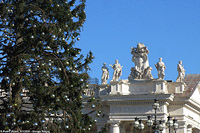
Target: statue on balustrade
[140, 58]
[160, 66]
[105, 74]
[117, 71]
[181, 72]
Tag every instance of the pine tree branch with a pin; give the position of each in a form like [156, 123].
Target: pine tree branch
[63, 68]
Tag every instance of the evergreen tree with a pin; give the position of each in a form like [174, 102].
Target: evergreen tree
[42, 72]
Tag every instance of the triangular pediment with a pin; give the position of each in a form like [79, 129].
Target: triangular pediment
[196, 93]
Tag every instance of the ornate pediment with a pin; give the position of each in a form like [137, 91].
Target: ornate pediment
[196, 93]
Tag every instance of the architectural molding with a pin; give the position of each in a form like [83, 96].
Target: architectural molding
[129, 98]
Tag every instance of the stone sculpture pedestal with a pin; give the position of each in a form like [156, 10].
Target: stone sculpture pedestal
[125, 87]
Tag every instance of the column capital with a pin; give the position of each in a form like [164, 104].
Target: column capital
[114, 122]
[114, 126]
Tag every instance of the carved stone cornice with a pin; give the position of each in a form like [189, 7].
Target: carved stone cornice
[186, 102]
[137, 99]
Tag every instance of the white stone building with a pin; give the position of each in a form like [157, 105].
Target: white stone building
[124, 100]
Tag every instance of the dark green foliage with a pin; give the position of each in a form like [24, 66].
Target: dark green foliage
[104, 129]
[41, 70]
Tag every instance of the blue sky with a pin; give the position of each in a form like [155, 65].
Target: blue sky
[169, 28]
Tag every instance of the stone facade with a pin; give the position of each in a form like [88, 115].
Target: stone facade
[124, 100]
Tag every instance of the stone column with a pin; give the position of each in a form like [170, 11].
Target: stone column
[114, 126]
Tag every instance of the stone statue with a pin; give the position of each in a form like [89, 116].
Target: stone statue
[140, 58]
[160, 66]
[105, 74]
[147, 73]
[181, 72]
[117, 71]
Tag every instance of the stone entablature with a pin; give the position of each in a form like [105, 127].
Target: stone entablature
[133, 97]
[124, 108]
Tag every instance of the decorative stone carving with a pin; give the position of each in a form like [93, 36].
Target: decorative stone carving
[105, 74]
[181, 72]
[160, 66]
[117, 71]
[147, 73]
[140, 58]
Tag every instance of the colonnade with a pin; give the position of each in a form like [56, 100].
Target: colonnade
[120, 127]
